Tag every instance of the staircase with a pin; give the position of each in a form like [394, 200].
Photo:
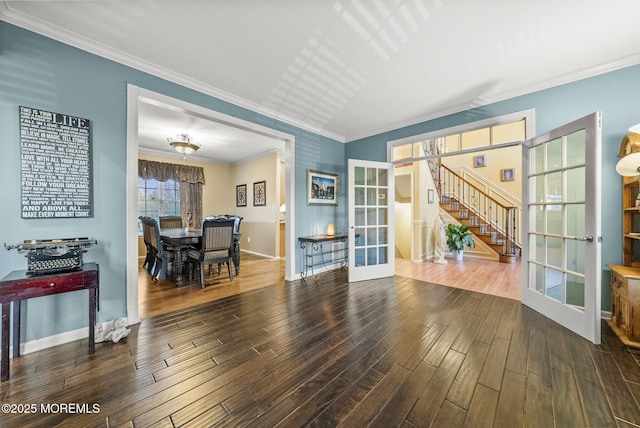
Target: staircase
[489, 220]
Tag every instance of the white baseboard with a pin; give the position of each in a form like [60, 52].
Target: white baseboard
[50, 341]
[258, 254]
[56, 339]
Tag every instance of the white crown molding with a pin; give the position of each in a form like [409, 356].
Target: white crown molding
[88, 45]
[65, 36]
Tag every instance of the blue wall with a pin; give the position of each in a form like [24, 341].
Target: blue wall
[616, 94]
[38, 72]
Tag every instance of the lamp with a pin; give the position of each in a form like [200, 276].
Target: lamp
[182, 144]
[629, 165]
[331, 230]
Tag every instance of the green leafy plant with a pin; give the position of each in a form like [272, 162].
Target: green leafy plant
[458, 236]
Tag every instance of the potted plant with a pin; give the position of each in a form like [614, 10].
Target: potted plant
[458, 237]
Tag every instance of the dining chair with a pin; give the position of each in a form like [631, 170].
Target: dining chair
[149, 259]
[160, 255]
[170, 222]
[216, 246]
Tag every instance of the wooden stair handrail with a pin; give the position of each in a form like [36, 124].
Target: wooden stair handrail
[507, 207]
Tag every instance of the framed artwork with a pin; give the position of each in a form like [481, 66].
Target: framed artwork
[431, 196]
[241, 195]
[480, 161]
[322, 188]
[508, 174]
[260, 193]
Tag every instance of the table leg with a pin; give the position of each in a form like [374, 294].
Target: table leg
[6, 308]
[178, 266]
[16, 328]
[92, 320]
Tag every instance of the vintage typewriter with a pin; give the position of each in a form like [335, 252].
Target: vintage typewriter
[46, 256]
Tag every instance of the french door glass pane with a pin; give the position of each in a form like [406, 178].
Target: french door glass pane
[553, 286]
[382, 217]
[382, 196]
[537, 160]
[575, 185]
[382, 254]
[360, 217]
[383, 236]
[553, 219]
[575, 255]
[372, 237]
[372, 256]
[372, 216]
[539, 249]
[372, 196]
[554, 155]
[575, 291]
[575, 148]
[575, 220]
[371, 177]
[554, 252]
[359, 176]
[382, 177]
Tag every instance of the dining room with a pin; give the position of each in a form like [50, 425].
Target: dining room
[189, 191]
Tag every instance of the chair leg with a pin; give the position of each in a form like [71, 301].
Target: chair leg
[202, 274]
[229, 269]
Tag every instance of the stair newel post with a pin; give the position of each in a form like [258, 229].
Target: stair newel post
[507, 232]
[514, 224]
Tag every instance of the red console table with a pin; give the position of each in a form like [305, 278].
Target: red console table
[17, 286]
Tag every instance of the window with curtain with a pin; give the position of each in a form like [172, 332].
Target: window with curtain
[170, 189]
[157, 198]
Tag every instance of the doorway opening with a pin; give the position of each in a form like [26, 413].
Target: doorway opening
[136, 96]
[484, 155]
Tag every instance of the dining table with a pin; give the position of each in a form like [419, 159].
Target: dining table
[181, 239]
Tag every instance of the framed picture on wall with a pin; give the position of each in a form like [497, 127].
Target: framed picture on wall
[241, 195]
[480, 161]
[508, 174]
[260, 193]
[322, 188]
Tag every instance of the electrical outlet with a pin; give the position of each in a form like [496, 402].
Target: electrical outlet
[248, 239]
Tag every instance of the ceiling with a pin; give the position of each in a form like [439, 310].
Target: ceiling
[345, 69]
[220, 141]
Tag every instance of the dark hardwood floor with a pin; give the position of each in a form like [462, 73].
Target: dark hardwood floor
[389, 352]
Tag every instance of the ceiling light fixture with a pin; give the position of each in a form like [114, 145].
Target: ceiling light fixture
[182, 144]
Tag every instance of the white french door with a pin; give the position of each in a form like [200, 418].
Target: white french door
[561, 219]
[371, 214]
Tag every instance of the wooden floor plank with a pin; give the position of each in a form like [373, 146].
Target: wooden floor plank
[428, 405]
[388, 352]
[401, 403]
[482, 409]
[512, 400]
[465, 383]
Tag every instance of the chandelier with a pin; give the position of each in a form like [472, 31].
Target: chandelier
[181, 143]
